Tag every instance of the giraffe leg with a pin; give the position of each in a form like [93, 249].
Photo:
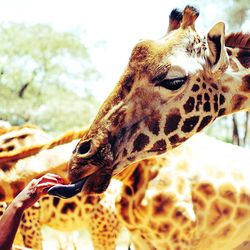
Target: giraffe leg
[30, 228]
[18, 239]
[104, 228]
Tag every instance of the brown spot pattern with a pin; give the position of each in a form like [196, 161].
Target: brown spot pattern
[92, 199]
[70, 206]
[136, 179]
[241, 214]
[204, 122]
[221, 112]
[154, 125]
[165, 228]
[2, 194]
[195, 88]
[216, 106]
[161, 204]
[159, 146]
[206, 97]
[245, 83]
[199, 102]
[245, 198]
[214, 85]
[237, 102]
[179, 217]
[175, 139]
[207, 107]
[228, 192]
[140, 142]
[225, 89]
[189, 124]
[226, 232]
[55, 201]
[220, 212]
[172, 122]
[222, 99]
[206, 189]
[128, 191]
[123, 206]
[189, 105]
[198, 202]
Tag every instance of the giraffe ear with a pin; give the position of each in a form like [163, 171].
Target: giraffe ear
[217, 55]
[175, 19]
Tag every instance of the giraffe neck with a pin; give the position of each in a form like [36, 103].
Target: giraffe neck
[137, 180]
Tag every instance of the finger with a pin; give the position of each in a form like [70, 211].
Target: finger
[55, 175]
[42, 186]
[47, 178]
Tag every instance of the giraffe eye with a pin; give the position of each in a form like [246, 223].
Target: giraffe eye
[173, 83]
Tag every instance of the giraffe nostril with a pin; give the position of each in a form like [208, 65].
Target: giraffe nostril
[84, 148]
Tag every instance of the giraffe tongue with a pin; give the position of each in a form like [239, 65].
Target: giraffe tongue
[67, 191]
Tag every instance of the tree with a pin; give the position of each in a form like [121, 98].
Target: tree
[45, 77]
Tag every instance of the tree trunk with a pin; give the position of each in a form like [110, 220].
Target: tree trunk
[236, 138]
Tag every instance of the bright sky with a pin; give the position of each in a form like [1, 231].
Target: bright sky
[119, 23]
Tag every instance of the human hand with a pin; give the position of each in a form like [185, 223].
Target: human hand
[35, 189]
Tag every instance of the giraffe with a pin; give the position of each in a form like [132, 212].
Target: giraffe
[186, 202]
[23, 136]
[96, 214]
[206, 200]
[23, 141]
[14, 139]
[171, 89]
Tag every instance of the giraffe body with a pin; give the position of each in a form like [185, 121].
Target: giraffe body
[20, 137]
[182, 200]
[199, 198]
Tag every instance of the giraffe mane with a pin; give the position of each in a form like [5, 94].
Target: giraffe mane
[238, 40]
[34, 149]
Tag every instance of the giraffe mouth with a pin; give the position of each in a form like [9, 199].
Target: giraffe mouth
[94, 183]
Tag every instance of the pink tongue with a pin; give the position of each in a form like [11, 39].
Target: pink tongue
[67, 191]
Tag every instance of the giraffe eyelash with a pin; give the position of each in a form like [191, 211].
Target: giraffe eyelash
[172, 84]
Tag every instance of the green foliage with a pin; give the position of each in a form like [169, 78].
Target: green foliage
[237, 14]
[44, 78]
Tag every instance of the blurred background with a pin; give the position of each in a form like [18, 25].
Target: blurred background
[60, 59]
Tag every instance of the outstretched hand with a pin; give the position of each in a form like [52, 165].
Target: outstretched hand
[35, 189]
[11, 218]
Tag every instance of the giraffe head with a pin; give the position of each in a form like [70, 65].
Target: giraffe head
[169, 91]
